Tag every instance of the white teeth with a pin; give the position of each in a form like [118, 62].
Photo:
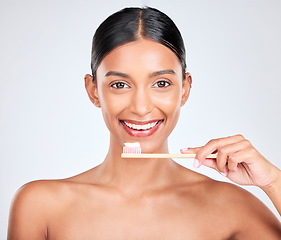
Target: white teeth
[141, 127]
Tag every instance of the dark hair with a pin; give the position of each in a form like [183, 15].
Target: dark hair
[131, 24]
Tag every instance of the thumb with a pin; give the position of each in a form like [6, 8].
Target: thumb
[190, 150]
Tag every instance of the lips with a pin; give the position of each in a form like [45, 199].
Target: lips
[141, 129]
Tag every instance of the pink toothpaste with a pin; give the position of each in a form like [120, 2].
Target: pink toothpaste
[132, 148]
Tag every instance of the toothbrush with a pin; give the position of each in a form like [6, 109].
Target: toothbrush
[133, 150]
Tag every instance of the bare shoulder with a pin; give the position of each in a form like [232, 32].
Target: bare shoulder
[251, 216]
[26, 207]
[241, 200]
[228, 196]
[32, 207]
[39, 195]
[228, 207]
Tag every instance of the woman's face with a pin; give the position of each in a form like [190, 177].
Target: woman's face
[140, 91]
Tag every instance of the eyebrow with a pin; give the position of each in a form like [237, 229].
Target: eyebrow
[119, 74]
[154, 74]
[162, 72]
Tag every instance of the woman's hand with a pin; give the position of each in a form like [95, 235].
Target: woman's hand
[238, 160]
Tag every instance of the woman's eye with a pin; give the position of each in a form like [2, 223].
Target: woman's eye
[119, 85]
[162, 84]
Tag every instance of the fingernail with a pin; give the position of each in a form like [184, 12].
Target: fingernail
[224, 174]
[196, 163]
[184, 149]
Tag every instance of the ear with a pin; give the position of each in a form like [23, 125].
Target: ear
[186, 85]
[92, 90]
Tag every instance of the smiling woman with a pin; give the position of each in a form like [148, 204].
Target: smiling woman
[140, 83]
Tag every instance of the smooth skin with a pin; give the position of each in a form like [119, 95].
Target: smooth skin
[149, 198]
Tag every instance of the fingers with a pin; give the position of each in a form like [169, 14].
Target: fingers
[196, 163]
[222, 146]
[239, 157]
[230, 155]
[211, 163]
[230, 152]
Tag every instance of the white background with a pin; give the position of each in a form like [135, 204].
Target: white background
[49, 128]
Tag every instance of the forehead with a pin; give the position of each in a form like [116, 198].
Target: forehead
[143, 56]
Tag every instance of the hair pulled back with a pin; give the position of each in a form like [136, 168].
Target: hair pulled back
[131, 24]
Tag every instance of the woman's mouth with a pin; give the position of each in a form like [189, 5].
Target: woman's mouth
[140, 129]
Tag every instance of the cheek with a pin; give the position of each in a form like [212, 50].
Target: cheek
[169, 102]
[111, 105]
[170, 105]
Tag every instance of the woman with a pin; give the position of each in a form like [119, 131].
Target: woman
[140, 83]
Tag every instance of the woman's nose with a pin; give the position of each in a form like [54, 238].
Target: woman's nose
[141, 102]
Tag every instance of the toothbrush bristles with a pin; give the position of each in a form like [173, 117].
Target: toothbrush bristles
[132, 150]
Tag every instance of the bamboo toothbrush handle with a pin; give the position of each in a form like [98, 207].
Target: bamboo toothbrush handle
[161, 155]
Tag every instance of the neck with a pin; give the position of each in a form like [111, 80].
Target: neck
[135, 175]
